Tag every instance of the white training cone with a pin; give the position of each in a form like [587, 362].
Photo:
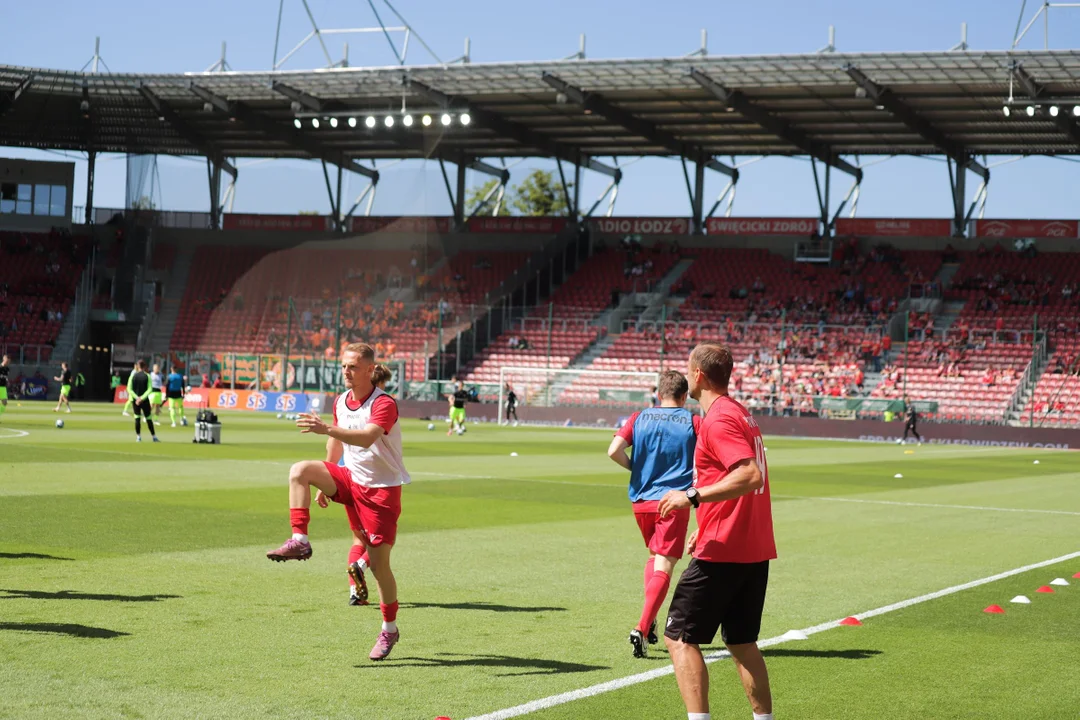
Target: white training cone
[1020, 600]
[513, 454]
[794, 635]
[898, 476]
[1035, 463]
[1059, 581]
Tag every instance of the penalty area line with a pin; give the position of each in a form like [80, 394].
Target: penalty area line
[623, 682]
[18, 433]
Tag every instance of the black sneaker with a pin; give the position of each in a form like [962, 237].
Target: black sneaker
[653, 639]
[641, 647]
[360, 591]
[354, 599]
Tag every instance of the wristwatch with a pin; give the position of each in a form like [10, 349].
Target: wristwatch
[693, 496]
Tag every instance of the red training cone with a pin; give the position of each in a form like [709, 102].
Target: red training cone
[1045, 589]
[994, 610]
[1077, 576]
[850, 621]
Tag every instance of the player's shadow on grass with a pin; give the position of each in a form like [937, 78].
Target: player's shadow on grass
[490, 607]
[836, 654]
[528, 666]
[30, 556]
[76, 595]
[84, 631]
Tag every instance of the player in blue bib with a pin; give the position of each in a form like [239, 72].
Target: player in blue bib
[663, 439]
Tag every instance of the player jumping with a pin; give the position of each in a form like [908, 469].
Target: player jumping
[366, 432]
[4, 370]
[359, 562]
[457, 408]
[64, 378]
[664, 439]
[174, 391]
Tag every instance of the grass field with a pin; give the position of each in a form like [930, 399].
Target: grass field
[133, 580]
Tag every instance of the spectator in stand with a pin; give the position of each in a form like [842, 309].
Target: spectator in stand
[988, 377]
[205, 381]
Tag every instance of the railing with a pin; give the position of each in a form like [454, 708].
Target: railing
[26, 354]
[1029, 378]
[153, 218]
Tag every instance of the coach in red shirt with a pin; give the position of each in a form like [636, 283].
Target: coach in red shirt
[724, 585]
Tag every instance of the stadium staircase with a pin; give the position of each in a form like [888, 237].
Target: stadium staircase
[74, 322]
[161, 333]
[661, 293]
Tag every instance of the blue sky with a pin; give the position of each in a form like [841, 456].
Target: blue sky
[187, 37]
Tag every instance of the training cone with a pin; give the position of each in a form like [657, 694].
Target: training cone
[1035, 463]
[851, 621]
[995, 610]
[795, 635]
[513, 454]
[909, 452]
[1059, 581]
[1045, 589]
[898, 476]
[1077, 576]
[1021, 600]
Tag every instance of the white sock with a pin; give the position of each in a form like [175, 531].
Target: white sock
[766, 716]
[298, 536]
[698, 716]
[363, 565]
[391, 627]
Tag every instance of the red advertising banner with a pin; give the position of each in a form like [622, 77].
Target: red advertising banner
[237, 221]
[516, 224]
[1027, 228]
[405, 224]
[761, 226]
[640, 225]
[894, 227]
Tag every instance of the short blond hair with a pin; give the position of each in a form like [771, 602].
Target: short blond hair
[364, 350]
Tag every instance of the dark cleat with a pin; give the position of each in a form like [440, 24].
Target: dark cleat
[641, 647]
[653, 639]
[360, 590]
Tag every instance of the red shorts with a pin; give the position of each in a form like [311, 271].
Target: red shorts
[373, 512]
[663, 535]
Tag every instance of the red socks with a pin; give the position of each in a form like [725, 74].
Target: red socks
[355, 551]
[648, 573]
[389, 612]
[655, 593]
[299, 518]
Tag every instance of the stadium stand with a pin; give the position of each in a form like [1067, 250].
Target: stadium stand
[610, 270]
[38, 276]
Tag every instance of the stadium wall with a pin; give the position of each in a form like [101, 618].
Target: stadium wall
[864, 430]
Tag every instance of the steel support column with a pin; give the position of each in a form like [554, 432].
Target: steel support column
[699, 196]
[213, 170]
[823, 199]
[459, 199]
[91, 160]
[958, 188]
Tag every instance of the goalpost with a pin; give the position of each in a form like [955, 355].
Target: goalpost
[569, 387]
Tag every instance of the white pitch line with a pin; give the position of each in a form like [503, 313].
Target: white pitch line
[19, 433]
[619, 683]
[931, 505]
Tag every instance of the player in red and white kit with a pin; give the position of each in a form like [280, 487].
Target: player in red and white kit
[367, 431]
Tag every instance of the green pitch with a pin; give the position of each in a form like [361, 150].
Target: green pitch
[133, 580]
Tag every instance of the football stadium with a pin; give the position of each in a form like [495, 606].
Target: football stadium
[848, 441]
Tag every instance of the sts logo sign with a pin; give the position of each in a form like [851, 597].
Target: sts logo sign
[227, 399]
[256, 401]
[285, 403]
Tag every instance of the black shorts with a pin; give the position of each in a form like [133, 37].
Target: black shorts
[142, 408]
[174, 394]
[711, 596]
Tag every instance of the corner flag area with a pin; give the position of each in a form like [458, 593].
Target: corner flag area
[133, 581]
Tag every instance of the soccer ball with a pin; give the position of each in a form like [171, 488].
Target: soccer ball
[59, 423]
[461, 431]
[431, 426]
[279, 416]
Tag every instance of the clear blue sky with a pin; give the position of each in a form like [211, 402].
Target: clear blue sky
[187, 37]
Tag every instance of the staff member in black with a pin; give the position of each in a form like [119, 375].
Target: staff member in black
[910, 419]
[139, 392]
[511, 403]
[4, 369]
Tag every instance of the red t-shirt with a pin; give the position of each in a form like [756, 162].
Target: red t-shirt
[739, 530]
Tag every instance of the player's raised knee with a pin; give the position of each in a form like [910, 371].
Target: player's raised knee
[303, 472]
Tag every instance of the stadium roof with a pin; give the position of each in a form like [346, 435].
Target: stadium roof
[824, 105]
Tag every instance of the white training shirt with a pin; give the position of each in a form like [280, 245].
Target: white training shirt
[155, 381]
[380, 465]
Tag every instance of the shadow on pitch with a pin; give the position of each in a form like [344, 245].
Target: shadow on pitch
[76, 595]
[30, 556]
[526, 666]
[836, 654]
[70, 629]
[490, 607]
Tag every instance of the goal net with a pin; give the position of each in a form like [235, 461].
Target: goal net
[538, 387]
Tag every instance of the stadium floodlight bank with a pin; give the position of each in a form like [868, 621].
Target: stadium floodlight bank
[569, 387]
